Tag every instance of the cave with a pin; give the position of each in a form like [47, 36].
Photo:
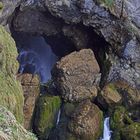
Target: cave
[38, 51]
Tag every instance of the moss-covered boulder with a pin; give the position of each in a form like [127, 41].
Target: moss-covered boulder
[10, 129]
[11, 95]
[131, 132]
[119, 120]
[45, 116]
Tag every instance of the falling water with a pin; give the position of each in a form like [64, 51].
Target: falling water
[36, 57]
[107, 131]
[58, 116]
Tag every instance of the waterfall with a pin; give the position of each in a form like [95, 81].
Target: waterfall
[36, 57]
[58, 116]
[107, 131]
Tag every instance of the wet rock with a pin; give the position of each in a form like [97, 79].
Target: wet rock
[86, 121]
[11, 94]
[7, 7]
[45, 115]
[10, 129]
[31, 92]
[76, 76]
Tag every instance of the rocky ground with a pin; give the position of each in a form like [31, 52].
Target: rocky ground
[97, 74]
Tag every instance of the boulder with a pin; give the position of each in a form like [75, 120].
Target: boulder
[11, 94]
[86, 121]
[76, 76]
[45, 115]
[10, 129]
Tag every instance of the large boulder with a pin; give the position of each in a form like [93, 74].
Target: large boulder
[76, 76]
[10, 129]
[86, 121]
[11, 94]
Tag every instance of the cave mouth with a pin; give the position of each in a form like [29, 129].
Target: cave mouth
[35, 55]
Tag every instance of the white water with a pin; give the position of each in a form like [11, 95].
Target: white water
[58, 117]
[107, 131]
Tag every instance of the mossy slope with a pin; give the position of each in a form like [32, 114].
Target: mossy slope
[11, 95]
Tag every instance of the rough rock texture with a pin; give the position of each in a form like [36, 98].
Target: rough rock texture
[76, 76]
[45, 115]
[34, 21]
[10, 129]
[7, 7]
[11, 94]
[31, 92]
[86, 121]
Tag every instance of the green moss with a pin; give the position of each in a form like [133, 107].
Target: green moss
[108, 3]
[131, 132]
[1, 5]
[119, 121]
[11, 95]
[15, 130]
[45, 115]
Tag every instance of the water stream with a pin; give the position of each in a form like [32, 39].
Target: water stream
[58, 117]
[107, 131]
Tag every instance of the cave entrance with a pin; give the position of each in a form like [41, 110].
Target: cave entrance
[35, 56]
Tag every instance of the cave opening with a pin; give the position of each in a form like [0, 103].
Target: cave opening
[34, 55]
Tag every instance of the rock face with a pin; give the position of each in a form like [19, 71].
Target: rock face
[10, 129]
[86, 121]
[31, 92]
[11, 95]
[76, 76]
[6, 9]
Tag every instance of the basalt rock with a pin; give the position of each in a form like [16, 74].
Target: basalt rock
[76, 76]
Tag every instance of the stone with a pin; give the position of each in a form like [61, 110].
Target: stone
[11, 94]
[76, 76]
[10, 129]
[45, 116]
[86, 121]
[111, 95]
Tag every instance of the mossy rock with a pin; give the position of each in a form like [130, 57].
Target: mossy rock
[11, 94]
[1, 5]
[119, 120]
[131, 132]
[11, 129]
[46, 111]
[107, 3]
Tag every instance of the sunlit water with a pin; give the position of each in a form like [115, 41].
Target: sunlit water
[58, 117]
[107, 131]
